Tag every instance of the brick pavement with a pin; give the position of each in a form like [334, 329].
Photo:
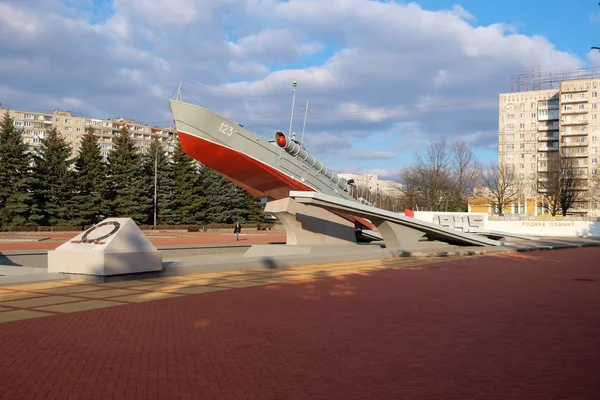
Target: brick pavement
[512, 326]
[158, 238]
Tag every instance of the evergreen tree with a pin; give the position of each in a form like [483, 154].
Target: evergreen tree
[255, 209]
[189, 202]
[90, 182]
[17, 204]
[129, 188]
[157, 162]
[54, 179]
[226, 202]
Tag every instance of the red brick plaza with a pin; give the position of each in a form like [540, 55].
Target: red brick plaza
[519, 326]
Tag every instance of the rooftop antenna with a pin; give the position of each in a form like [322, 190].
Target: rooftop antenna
[306, 111]
[292, 116]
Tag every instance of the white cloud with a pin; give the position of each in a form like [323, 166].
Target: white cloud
[372, 155]
[391, 74]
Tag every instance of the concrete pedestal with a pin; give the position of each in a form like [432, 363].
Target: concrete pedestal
[308, 225]
[115, 246]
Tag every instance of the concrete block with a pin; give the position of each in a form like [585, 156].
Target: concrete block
[115, 246]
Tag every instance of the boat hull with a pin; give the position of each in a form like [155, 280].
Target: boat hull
[255, 164]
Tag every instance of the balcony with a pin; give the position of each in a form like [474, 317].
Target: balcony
[577, 122]
[552, 116]
[547, 148]
[575, 99]
[546, 138]
[575, 111]
[544, 128]
[574, 133]
[575, 155]
[575, 144]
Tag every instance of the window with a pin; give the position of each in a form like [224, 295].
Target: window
[532, 105]
[533, 115]
[567, 96]
[594, 161]
[521, 116]
[533, 125]
[78, 129]
[18, 123]
[594, 94]
[522, 145]
[581, 106]
[510, 146]
[68, 128]
[595, 105]
[582, 95]
[56, 119]
[522, 155]
[67, 120]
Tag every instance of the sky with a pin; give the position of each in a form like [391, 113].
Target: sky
[383, 78]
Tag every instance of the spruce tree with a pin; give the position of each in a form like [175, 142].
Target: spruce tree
[55, 179]
[157, 157]
[17, 203]
[128, 185]
[226, 202]
[90, 182]
[189, 202]
[254, 208]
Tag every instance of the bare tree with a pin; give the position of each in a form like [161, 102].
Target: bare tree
[560, 184]
[501, 186]
[594, 188]
[442, 177]
[468, 172]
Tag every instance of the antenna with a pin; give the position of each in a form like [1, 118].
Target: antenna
[292, 116]
[179, 98]
[306, 111]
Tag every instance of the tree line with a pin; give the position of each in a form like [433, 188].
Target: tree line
[445, 176]
[49, 187]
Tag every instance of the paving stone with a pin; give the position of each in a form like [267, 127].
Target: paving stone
[80, 306]
[17, 315]
[39, 301]
[477, 328]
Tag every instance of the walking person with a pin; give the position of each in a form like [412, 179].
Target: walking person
[237, 230]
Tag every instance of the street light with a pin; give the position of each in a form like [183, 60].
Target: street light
[169, 143]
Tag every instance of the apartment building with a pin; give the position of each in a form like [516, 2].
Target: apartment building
[35, 125]
[534, 125]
